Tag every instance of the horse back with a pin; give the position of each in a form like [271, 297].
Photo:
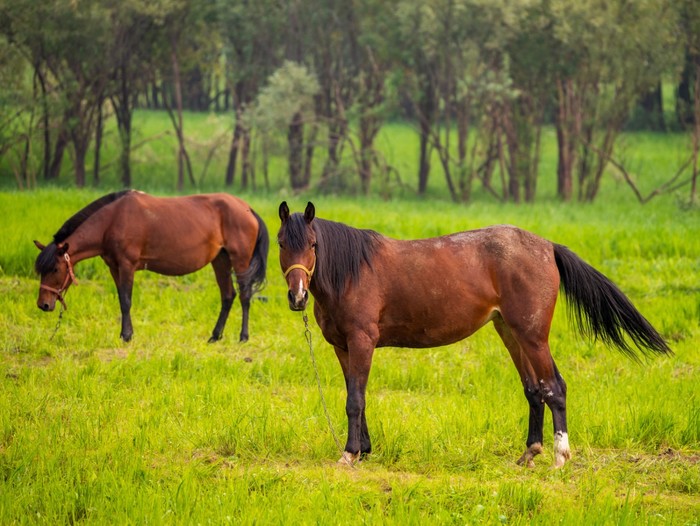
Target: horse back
[428, 292]
[177, 235]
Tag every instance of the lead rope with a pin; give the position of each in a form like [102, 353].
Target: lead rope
[58, 323]
[307, 335]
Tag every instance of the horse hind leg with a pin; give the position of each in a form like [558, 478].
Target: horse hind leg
[552, 390]
[246, 294]
[222, 270]
[543, 385]
[533, 445]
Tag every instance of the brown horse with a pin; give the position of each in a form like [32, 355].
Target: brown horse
[174, 236]
[372, 291]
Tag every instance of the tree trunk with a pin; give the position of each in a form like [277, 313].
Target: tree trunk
[368, 131]
[99, 129]
[125, 155]
[80, 150]
[183, 159]
[308, 158]
[566, 139]
[59, 150]
[684, 98]
[233, 152]
[245, 160]
[426, 118]
[123, 110]
[46, 118]
[295, 140]
[652, 105]
[696, 134]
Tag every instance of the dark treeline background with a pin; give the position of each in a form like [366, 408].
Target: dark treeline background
[478, 79]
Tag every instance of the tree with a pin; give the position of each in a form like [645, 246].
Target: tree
[287, 101]
[130, 47]
[252, 52]
[690, 23]
[602, 72]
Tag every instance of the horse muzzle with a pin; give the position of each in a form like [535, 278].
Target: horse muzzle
[46, 306]
[298, 300]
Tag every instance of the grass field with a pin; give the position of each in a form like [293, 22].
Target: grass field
[171, 430]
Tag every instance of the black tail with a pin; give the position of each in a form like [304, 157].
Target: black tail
[601, 310]
[255, 274]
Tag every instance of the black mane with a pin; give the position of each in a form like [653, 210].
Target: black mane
[46, 260]
[341, 251]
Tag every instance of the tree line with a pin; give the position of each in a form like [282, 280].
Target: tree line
[479, 79]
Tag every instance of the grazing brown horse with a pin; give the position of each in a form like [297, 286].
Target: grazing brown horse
[174, 236]
[372, 291]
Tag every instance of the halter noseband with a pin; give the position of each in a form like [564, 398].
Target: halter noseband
[70, 277]
[308, 272]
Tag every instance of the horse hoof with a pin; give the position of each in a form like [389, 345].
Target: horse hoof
[243, 339]
[213, 339]
[530, 453]
[349, 459]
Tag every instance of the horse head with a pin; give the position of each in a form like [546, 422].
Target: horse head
[54, 266]
[297, 242]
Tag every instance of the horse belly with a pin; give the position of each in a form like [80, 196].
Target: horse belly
[432, 324]
[171, 255]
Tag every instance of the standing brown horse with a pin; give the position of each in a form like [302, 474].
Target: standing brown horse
[174, 236]
[372, 291]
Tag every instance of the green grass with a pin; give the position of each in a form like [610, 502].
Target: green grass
[171, 430]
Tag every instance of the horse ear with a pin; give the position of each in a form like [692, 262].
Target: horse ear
[62, 249]
[284, 211]
[310, 212]
[39, 245]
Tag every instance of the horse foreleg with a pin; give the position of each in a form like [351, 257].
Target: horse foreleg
[222, 270]
[356, 364]
[124, 281]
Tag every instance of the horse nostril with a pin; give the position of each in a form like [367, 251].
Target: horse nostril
[290, 296]
[44, 307]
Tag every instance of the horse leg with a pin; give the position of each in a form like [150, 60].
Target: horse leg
[532, 394]
[550, 386]
[365, 441]
[222, 270]
[562, 451]
[246, 293]
[124, 280]
[358, 361]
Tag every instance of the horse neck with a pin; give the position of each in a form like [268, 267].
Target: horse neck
[87, 240]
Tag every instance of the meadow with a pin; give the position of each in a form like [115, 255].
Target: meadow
[169, 429]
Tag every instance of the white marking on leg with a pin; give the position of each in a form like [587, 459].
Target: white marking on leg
[562, 453]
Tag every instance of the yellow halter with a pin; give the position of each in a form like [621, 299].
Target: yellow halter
[302, 267]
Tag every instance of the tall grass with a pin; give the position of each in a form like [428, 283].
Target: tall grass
[169, 429]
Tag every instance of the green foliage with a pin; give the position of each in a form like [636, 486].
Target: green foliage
[290, 91]
[170, 429]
